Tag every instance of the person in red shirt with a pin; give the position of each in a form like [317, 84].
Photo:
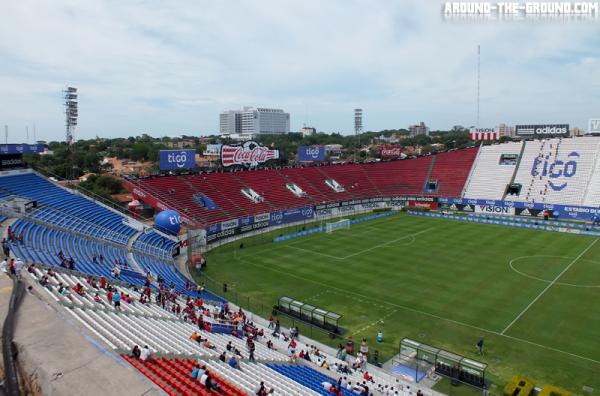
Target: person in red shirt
[103, 282]
[109, 296]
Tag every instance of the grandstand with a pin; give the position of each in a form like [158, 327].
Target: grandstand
[65, 224]
[449, 172]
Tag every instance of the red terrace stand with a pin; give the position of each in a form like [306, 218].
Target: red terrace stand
[404, 177]
[173, 376]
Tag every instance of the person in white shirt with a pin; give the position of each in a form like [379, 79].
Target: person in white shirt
[18, 267]
[203, 378]
[145, 354]
[4, 266]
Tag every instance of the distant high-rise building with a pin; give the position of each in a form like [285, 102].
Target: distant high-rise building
[505, 130]
[230, 122]
[251, 121]
[420, 129]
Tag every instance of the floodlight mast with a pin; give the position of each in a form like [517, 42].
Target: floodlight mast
[358, 127]
[71, 116]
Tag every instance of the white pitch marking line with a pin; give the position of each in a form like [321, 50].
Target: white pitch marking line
[387, 243]
[315, 252]
[375, 322]
[362, 251]
[423, 312]
[549, 285]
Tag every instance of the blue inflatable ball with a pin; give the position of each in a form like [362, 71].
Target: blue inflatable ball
[168, 221]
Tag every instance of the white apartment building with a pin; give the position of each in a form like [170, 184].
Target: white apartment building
[250, 121]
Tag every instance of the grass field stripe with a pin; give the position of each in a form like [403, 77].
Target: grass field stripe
[424, 313]
[315, 252]
[387, 243]
[549, 285]
[549, 348]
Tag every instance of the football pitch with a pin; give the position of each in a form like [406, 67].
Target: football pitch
[533, 295]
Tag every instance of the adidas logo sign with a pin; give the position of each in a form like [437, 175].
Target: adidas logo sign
[467, 208]
[525, 212]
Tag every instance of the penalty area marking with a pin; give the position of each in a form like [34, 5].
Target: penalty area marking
[364, 250]
[414, 310]
[512, 267]
[549, 285]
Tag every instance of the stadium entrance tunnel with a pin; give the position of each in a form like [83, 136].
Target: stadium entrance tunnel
[544, 268]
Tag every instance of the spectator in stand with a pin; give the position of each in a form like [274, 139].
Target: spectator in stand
[79, 289]
[4, 266]
[101, 258]
[20, 239]
[146, 354]
[18, 267]
[338, 354]
[364, 348]
[251, 349]
[5, 248]
[223, 357]
[103, 282]
[195, 371]
[11, 267]
[136, 351]
[44, 281]
[207, 344]
[261, 390]
[233, 363]
[71, 264]
[350, 346]
[207, 381]
[97, 299]
[116, 299]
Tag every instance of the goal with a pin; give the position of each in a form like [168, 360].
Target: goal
[338, 225]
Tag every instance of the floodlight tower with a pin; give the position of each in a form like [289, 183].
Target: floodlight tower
[358, 126]
[71, 115]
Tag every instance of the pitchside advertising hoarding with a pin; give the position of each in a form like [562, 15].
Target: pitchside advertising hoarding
[248, 154]
[542, 130]
[177, 159]
[311, 153]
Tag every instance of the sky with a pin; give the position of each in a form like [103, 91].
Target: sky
[169, 67]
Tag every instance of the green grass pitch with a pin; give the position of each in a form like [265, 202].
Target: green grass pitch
[533, 295]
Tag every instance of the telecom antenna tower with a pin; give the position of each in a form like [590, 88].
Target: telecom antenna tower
[478, 80]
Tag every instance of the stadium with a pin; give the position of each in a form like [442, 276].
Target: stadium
[466, 271]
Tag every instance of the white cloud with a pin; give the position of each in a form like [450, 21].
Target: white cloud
[169, 67]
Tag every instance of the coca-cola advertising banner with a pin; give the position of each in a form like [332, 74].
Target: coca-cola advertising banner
[391, 151]
[249, 154]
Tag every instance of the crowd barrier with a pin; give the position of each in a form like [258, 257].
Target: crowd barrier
[510, 221]
[527, 209]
